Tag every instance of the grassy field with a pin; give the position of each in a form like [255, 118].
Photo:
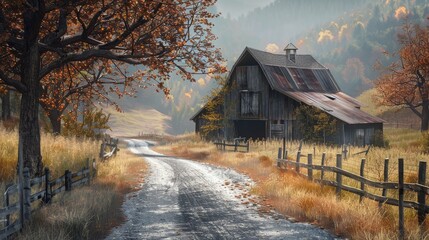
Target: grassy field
[295, 196]
[133, 121]
[85, 213]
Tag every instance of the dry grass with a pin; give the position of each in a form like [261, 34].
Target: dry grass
[58, 153]
[85, 213]
[90, 212]
[295, 196]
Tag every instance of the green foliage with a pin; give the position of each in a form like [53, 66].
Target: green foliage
[314, 124]
[94, 122]
[379, 140]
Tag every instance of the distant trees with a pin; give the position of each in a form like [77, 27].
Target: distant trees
[39, 37]
[405, 83]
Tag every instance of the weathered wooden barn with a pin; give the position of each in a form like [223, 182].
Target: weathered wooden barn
[267, 88]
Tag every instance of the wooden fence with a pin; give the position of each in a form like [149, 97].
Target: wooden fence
[400, 187]
[235, 144]
[41, 189]
[109, 147]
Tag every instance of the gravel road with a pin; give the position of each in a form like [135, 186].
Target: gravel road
[183, 199]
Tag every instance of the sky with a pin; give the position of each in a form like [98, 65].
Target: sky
[236, 8]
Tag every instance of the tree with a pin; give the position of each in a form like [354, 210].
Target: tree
[91, 82]
[314, 124]
[214, 114]
[38, 37]
[405, 83]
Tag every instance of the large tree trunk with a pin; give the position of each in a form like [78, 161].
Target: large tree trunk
[55, 119]
[29, 133]
[5, 103]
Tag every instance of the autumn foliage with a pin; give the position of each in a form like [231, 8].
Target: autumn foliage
[405, 83]
[55, 52]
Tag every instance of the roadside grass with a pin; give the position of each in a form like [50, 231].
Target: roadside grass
[295, 196]
[87, 212]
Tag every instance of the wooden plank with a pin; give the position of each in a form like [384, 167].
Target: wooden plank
[11, 229]
[79, 182]
[37, 196]
[38, 180]
[362, 173]
[421, 196]
[58, 181]
[310, 169]
[279, 156]
[322, 173]
[385, 178]
[58, 190]
[9, 210]
[12, 189]
[339, 176]
[401, 198]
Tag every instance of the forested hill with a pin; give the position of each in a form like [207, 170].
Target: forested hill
[280, 22]
[345, 36]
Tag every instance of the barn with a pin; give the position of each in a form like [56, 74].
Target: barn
[266, 88]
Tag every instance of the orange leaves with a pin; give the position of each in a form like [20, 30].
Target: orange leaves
[406, 83]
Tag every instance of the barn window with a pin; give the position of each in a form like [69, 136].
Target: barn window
[250, 104]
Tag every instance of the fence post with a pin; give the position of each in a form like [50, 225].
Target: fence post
[68, 180]
[248, 145]
[223, 145]
[48, 194]
[285, 158]
[339, 176]
[300, 146]
[235, 145]
[27, 194]
[421, 197]
[88, 175]
[298, 156]
[102, 147]
[284, 147]
[6, 203]
[401, 197]
[385, 179]
[310, 167]
[322, 172]
[279, 156]
[94, 168]
[362, 174]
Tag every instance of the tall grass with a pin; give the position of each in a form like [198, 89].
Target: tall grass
[59, 153]
[295, 196]
[84, 213]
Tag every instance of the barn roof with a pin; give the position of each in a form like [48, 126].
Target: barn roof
[308, 81]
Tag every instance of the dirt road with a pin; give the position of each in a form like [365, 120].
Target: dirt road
[182, 199]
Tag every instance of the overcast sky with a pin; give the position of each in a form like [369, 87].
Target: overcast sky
[239, 7]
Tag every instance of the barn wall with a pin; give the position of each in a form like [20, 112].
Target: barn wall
[248, 78]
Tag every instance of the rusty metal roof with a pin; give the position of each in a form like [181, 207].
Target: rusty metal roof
[309, 82]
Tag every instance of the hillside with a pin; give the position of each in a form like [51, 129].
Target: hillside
[348, 37]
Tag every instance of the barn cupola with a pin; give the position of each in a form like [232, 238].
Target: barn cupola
[291, 52]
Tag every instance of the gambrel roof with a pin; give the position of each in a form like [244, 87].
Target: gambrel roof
[306, 81]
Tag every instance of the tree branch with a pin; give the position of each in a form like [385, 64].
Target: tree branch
[19, 86]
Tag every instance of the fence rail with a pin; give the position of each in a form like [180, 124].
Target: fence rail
[420, 188]
[45, 190]
[109, 147]
[236, 144]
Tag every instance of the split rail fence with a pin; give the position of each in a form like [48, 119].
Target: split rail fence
[109, 147]
[222, 145]
[399, 187]
[42, 189]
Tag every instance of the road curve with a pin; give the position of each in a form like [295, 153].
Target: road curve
[183, 199]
